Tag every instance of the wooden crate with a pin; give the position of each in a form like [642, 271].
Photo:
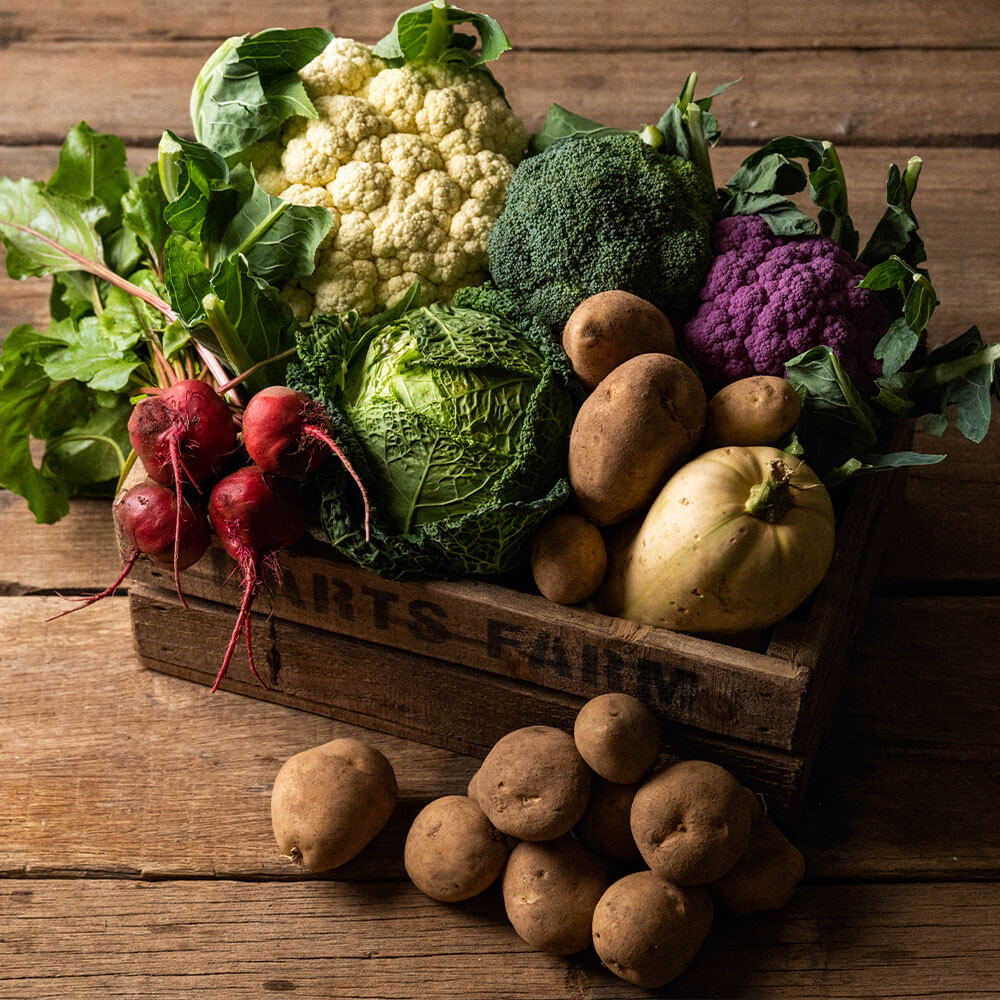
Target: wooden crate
[459, 664]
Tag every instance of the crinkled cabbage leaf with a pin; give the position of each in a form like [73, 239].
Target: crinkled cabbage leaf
[457, 419]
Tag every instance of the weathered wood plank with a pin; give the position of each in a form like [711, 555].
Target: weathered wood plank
[91, 742]
[234, 939]
[916, 724]
[137, 89]
[642, 24]
[76, 554]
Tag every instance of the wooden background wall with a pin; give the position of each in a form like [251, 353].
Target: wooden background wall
[881, 79]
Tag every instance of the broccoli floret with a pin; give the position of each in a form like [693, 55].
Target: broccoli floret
[594, 213]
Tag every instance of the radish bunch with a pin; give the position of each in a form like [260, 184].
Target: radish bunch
[186, 438]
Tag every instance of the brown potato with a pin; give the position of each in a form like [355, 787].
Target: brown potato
[618, 736]
[608, 328]
[330, 801]
[757, 410]
[635, 429]
[692, 822]
[647, 930]
[604, 827]
[533, 784]
[550, 890]
[452, 850]
[568, 558]
[765, 877]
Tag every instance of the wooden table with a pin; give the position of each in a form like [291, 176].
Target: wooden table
[135, 837]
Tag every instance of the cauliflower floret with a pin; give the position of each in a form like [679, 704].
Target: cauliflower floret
[341, 283]
[412, 162]
[343, 67]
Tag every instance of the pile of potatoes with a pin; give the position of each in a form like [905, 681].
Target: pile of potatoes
[645, 415]
[594, 843]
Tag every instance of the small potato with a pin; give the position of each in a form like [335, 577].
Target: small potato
[618, 736]
[636, 428]
[692, 822]
[550, 891]
[533, 784]
[647, 930]
[452, 850]
[608, 328]
[758, 410]
[330, 801]
[765, 877]
[568, 558]
[604, 826]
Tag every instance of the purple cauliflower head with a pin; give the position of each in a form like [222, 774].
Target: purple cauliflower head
[768, 298]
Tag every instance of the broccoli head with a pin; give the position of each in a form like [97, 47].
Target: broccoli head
[601, 212]
[767, 299]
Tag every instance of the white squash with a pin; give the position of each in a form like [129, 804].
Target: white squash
[737, 539]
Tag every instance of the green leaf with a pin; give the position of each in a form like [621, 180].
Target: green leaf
[32, 218]
[142, 211]
[94, 451]
[92, 167]
[192, 175]
[771, 170]
[89, 352]
[914, 289]
[278, 239]
[896, 232]
[561, 123]
[24, 387]
[896, 346]
[250, 86]
[427, 32]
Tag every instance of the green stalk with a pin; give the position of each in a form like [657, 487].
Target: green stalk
[438, 31]
[255, 235]
[952, 371]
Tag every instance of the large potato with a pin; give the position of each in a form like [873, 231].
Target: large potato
[550, 890]
[692, 822]
[638, 426]
[533, 784]
[330, 801]
[452, 850]
[610, 327]
[647, 930]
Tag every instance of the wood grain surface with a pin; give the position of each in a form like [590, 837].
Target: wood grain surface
[136, 856]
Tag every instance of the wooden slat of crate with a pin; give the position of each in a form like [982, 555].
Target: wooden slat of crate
[401, 692]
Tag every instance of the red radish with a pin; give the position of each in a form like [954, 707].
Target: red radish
[183, 433]
[288, 434]
[254, 516]
[149, 516]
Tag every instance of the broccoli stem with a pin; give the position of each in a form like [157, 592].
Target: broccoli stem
[700, 155]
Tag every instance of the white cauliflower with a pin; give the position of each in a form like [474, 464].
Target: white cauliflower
[412, 163]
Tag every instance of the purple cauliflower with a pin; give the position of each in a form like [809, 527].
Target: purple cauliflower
[768, 298]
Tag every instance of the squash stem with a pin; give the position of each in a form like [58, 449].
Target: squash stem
[772, 499]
